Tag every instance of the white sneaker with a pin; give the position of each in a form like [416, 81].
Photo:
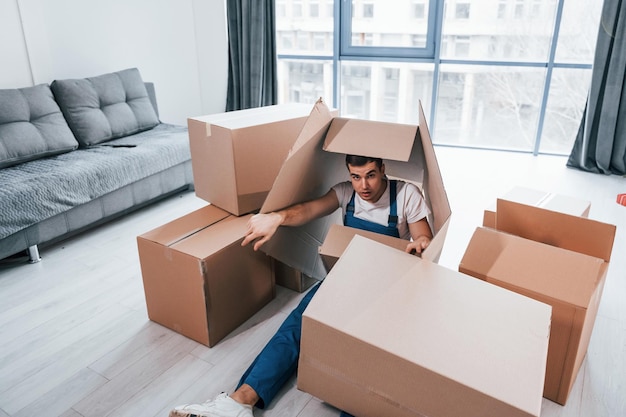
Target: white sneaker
[221, 406]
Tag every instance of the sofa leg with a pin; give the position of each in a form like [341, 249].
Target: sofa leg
[33, 254]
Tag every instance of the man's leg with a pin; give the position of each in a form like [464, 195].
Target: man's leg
[265, 376]
[277, 361]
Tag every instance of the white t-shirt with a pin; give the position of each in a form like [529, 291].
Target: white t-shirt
[409, 200]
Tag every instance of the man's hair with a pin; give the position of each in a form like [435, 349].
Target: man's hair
[359, 161]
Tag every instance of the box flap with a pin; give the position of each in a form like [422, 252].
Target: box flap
[306, 173]
[559, 274]
[435, 191]
[176, 230]
[255, 116]
[212, 152]
[565, 231]
[338, 238]
[389, 141]
[213, 239]
[486, 338]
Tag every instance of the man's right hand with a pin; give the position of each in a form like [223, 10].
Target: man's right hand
[261, 228]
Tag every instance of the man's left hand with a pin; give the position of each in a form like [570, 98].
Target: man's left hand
[418, 245]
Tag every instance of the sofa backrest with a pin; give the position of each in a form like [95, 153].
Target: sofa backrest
[31, 126]
[105, 107]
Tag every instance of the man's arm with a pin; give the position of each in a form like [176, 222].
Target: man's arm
[421, 235]
[261, 227]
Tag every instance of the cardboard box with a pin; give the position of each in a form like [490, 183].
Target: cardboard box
[390, 334]
[198, 279]
[537, 198]
[316, 162]
[291, 278]
[555, 258]
[235, 156]
[339, 237]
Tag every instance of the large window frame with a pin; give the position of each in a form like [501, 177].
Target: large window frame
[344, 51]
[346, 13]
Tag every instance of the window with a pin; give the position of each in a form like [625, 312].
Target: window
[486, 77]
[368, 10]
[285, 41]
[536, 9]
[418, 9]
[502, 9]
[330, 8]
[303, 40]
[462, 46]
[392, 33]
[462, 11]
[314, 9]
[319, 41]
[281, 9]
[519, 9]
[296, 8]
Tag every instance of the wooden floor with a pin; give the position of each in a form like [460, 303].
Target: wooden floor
[75, 339]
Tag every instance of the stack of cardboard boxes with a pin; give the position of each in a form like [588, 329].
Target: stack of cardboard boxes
[198, 279]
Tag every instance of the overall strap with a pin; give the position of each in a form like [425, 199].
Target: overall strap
[393, 205]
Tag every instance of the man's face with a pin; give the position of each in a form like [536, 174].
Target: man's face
[368, 181]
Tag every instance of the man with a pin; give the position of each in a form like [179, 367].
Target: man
[369, 201]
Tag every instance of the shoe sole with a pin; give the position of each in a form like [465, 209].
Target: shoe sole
[175, 413]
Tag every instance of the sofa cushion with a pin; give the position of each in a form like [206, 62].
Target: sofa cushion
[105, 107]
[31, 126]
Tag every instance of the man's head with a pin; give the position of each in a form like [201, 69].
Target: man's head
[367, 175]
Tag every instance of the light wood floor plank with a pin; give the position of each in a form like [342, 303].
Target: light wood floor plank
[71, 359]
[58, 400]
[135, 377]
[50, 309]
[161, 390]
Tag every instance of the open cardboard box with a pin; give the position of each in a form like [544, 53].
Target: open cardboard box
[339, 237]
[198, 279]
[552, 257]
[291, 278]
[390, 334]
[236, 155]
[549, 201]
[316, 162]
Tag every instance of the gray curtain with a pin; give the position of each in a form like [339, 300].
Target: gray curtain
[252, 54]
[600, 145]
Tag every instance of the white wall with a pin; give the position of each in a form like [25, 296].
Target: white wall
[180, 45]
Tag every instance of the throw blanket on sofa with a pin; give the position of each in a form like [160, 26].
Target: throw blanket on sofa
[34, 191]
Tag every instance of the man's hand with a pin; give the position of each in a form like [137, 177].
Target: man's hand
[261, 228]
[418, 245]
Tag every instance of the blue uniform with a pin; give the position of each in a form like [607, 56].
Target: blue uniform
[277, 362]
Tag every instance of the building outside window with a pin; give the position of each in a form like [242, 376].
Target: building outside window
[492, 76]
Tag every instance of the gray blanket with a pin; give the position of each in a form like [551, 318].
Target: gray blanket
[37, 190]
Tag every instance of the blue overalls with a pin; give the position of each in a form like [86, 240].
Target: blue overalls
[278, 360]
[392, 227]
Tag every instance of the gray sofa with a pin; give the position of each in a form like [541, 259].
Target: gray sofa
[77, 153]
